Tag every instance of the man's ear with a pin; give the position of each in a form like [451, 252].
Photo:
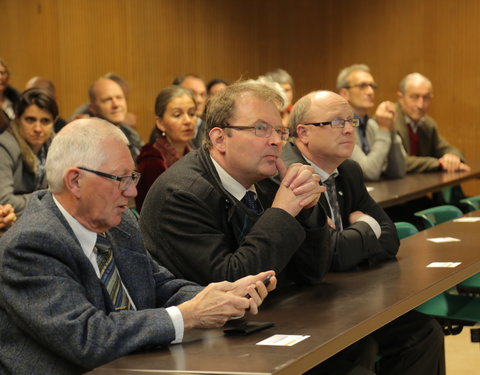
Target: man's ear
[92, 108]
[399, 95]
[218, 139]
[72, 181]
[302, 133]
[344, 93]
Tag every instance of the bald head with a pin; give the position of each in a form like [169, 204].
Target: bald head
[414, 95]
[41, 83]
[107, 101]
[326, 146]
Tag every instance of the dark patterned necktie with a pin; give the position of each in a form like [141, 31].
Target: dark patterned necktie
[109, 274]
[333, 200]
[250, 201]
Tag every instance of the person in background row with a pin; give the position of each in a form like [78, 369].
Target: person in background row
[378, 149]
[196, 84]
[7, 217]
[175, 121]
[46, 84]
[285, 81]
[427, 150]
[108, 102]
[77, 288]
[216, 85]
[24, 146]
[83, 111]
[8, 95]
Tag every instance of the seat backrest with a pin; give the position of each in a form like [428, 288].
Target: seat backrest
[473, 203]
[405, 229]
[437, 215]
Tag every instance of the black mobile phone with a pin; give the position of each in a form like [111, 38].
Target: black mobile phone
[266, 281]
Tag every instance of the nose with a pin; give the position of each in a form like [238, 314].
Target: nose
[275, 138]
[348, 129]
[130, 191]
[37, 127]
[187, 119]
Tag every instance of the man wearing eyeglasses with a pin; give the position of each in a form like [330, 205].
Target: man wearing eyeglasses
[77, 287]
[361, 234]
[215, 214]
[378, 149]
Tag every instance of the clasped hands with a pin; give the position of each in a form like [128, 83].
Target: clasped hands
[219, 302]
[452, 163]
[299, 188]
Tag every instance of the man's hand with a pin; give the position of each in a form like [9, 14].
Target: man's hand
[354, 216]
[219, 302]
[7, 216]
[385, 115]
[299, 188]
[451, 163]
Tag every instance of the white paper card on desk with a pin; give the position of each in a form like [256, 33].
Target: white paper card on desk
[444, 264]
[370, 188]
[467, 219]
[443, 239]
[283, 340]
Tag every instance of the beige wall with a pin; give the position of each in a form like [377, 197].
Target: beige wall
[149, 42]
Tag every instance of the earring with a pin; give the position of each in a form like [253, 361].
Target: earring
[163, 133]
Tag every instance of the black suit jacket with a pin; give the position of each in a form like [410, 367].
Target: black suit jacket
[356, 245]
[193, 226]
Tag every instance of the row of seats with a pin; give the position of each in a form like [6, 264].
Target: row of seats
[459, 306]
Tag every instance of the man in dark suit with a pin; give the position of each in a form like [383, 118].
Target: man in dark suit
[77, 288]
[322, 124]
[221, 199]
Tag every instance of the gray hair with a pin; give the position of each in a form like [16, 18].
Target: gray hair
[410, 77]
[342, 78]
[221, 106]
[79, 144]
[299, 113]
[280, 76]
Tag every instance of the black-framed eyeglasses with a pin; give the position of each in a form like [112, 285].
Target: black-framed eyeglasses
[263, 130]
[364, 86]
[123, 181]
[340, 123]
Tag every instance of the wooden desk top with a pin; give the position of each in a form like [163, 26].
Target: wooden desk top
[336, 313]
[391, 192]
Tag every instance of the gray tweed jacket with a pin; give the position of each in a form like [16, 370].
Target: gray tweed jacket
[55, 314]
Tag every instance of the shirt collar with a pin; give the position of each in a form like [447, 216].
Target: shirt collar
[230, 184]
[413, 125]
[86, 237]
[323, 175]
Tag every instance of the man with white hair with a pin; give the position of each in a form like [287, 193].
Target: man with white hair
[427, 150]
[77, 288]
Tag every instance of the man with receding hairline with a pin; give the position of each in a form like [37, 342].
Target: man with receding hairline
[322, 124]
[426, 149]
[108, 102]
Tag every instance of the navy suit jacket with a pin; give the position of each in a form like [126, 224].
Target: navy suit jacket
[55, 314]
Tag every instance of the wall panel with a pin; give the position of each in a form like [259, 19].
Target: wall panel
[149, 42]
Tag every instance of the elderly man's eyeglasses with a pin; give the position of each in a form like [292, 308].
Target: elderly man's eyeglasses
[340, 123]
[262, 130]
[123, 181]
[363, 86]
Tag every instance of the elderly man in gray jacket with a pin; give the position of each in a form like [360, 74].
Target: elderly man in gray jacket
[77, 288]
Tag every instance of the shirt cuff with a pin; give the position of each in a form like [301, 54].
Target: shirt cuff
[373, 224]
[177, 320]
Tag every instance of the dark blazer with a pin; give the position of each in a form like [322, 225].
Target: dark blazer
[356, 245]
[194, 227]
[55, 314]
[431, 145]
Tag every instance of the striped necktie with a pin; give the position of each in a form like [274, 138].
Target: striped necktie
[333, 200]
[109, 274]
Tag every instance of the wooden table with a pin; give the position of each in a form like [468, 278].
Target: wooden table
[391, 192]
[336, 313]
